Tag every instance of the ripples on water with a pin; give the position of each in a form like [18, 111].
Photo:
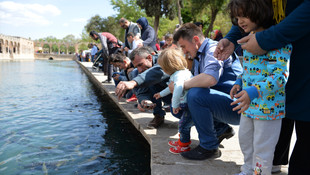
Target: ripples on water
[53, 121]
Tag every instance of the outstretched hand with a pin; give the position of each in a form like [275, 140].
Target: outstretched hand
[123, 86]
[157, 96]
[224, 49]
[244, 102]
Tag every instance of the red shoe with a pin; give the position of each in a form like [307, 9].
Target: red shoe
[179, 149]
[173, 143]
[132, 98]
[178, 142]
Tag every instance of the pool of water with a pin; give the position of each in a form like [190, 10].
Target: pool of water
[54, 121]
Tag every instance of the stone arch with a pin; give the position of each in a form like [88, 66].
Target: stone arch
[44, 46]
[14, 48]
[63, 48]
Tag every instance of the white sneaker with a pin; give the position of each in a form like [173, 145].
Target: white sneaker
[276, 169]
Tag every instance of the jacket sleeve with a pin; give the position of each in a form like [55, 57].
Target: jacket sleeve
[151, 76]
[178, 91]
[137, 31]
[294, 27]
[165, 92]
[104, 44]
[233, 35]
[150, 37]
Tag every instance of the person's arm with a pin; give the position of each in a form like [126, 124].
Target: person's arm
[233, 35]
[137, 31]
[179, 80]
[165, 92]
[151, 76]
[104, 44]
[202, 80]
[294, 27]
[150, 37]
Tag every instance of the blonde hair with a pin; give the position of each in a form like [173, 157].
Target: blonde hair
[172, 60]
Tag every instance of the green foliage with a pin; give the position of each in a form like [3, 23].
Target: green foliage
[83, 46]
[98, 24]
[157, 9]
[222, 22]
[69, 39]
[166, 26]
[128, 9]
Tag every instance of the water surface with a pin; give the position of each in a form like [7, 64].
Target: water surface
[54, 121]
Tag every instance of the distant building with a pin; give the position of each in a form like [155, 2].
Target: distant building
[14, 48]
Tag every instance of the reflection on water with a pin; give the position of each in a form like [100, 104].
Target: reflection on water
[53, 121]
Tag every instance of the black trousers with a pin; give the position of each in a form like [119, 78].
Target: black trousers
[281, 154]
[300, 159]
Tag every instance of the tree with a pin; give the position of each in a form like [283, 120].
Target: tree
[179, 6]
[128, 9]
[94, 23]
[158, 8]
[69, 39]
[98, 24]
[210, 6]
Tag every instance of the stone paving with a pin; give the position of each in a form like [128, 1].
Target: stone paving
[163, 162]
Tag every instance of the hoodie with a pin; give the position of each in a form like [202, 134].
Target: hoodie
[147, 33]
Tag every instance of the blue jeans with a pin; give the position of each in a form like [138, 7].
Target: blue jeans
[185, 123]
[158, 108]
[211, 111]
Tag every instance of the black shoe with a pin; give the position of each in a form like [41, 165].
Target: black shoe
[156, 122]
[226, 135]
[200, 153]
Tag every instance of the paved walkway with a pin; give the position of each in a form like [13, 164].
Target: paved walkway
[163, 162]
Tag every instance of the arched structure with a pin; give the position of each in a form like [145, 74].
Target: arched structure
[39, 46]
[14, 47]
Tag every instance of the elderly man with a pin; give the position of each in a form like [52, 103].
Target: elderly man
[150, 80]
[130, 27]
[208, 96]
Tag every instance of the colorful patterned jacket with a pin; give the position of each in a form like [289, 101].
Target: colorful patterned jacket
[264, 78]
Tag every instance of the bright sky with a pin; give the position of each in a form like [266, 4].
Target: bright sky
[41, 18]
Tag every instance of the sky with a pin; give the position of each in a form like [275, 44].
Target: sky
[37, 19]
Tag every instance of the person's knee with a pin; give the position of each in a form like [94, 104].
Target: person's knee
[196, 95]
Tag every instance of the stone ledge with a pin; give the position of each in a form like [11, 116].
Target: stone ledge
[163, 162]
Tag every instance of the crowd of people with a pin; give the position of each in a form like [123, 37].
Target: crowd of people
[207, 86]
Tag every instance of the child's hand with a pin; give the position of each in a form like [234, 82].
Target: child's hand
[234, 90]
[176, 110]
[157, 96]
[243, 100]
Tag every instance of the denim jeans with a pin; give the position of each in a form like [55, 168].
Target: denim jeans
[185, 123]
[158, 108]
[211, 111]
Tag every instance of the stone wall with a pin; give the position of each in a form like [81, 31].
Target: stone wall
[15, 48]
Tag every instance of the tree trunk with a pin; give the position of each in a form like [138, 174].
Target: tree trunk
[213, 16]
[179, 12]
[156, 24]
